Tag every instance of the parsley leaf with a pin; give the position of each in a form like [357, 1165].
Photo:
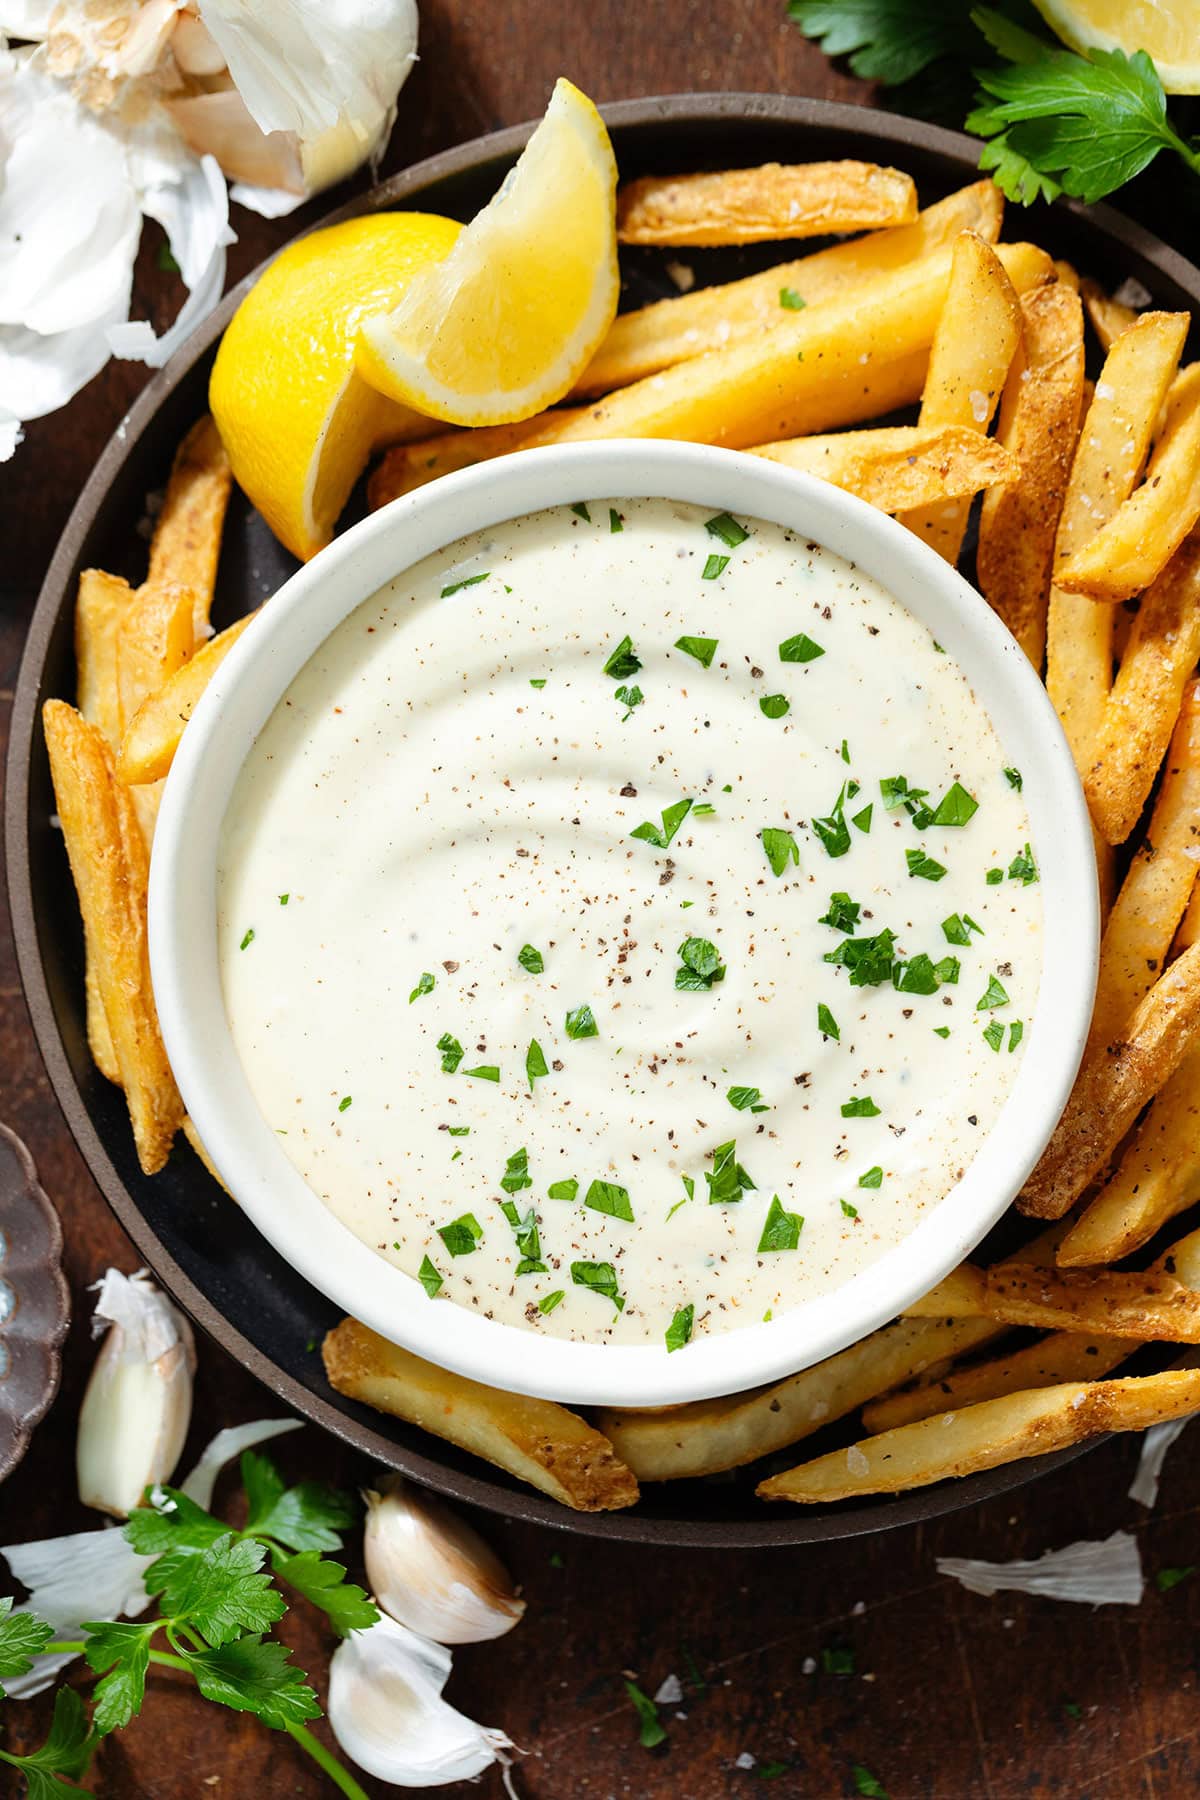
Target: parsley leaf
[455, 587]
[714, 567]
[679, 1331]
[484, 1072]
[535, 1063]
[781, 1229]
[221, 1591]
[799, 649]
[531, 959]
[650, 1728]
[727, 1180]
[887, 40]
[1022, 868]
[66, 1751]
[672, 818]
[727, 529]
[124, 1651]
[746, 1099]
[429, 1278]
[866, 1784]
[581, 1023]
[780, 848]
[702, 648]
[1166, 1579]
[324, 1583]
[872, 1179]
[833, 830]
[956, 807]
[826, 1023]
[425, 985]
[563, 1190]
[994, 1035]
[843, 913]
[255, 1677]
[452, 1052]
[623, 661]
[860, 1107]
[1014, 779]
[601, 1277]
[516, 1173]
[791, 301]
[22, 1636]
[774, 706]
[629, 698]
[923, 866]
[869, 960]
[700, 966]
[548, 1302]
[461, 1235]
[610, 1198]
[993, 995]
[306, 1517]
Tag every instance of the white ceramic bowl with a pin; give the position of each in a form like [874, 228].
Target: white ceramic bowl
[183, 939]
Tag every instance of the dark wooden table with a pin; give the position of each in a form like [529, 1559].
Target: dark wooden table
[952, 1695]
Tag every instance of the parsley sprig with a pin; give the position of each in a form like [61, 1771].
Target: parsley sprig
[218, 1601]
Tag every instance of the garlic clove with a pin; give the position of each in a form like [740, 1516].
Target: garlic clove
[386, 1711]
[218, 124]
[138, 1404]
[193, 48]
[432, 1572]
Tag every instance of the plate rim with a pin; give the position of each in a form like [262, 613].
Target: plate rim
[349, 1421]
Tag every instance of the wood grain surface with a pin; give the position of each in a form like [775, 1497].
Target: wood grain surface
[952, 1695]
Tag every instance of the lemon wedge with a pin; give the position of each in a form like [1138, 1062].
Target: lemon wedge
[508, 322]
[1169, 30]
[296, 420]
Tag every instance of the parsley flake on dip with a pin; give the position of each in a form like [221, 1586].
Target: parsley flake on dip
[629, 921]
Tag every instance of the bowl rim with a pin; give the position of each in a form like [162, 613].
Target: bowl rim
[186, 967]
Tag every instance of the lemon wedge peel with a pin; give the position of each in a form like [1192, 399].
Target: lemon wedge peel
[1168, 30]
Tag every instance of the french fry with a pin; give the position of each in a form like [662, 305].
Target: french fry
[1038, 425]
[900, 467]
[961, 1293]
[1158, 1178]
[655, 337]
[152, 735]
[752, 206]
[1160, 881]
[1140, 713]
[1189, 925]
[110, 866]
[1111, 449]
[193, 1138]
[410, 466]
[1107, 317]
[155, 639]
[1150, 1305]
[1114, 1085]
[977, 335]
[1067, 273]
[1063, 1356]
[537, 1441]
[985, 1436]
[1139, 540]
[186, 544]
[709, 1436]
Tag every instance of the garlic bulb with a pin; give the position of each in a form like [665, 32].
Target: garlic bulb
[387, 1712]
[138, 1403]
[432, 1572]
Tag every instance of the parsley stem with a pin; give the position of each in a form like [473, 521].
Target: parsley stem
[337, 1772]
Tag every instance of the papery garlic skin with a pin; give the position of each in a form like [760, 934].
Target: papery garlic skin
[138, 1404]
[432, 1572]
[386, 1711]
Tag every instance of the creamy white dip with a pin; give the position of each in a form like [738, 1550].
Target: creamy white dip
[525, 917]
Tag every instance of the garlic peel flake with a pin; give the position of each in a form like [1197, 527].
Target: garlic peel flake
[1099, 1572]
[1156, 1442]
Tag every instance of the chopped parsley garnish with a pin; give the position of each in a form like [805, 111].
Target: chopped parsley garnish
[247, 940]
[623, 661]
[727, 1180]
[425, 985]
[535, 1063]
[537, 681]
[459, 1130]
[970, 924]
[837, 1662]
[955, 929]
[843, 913]
[826, 1023]
[704, 809]
[896, 792]
[774, 705]
[851, 1212]
[781, 1229]
[942, 1031]
[923, 867]
[529, 1244]
[715, 566]
[833, 830]
[746, 1099]
[484, 1072]
[531, 959]
[956, 807]
[948, 970]
[610, 1198]
[581, 512]
[917, 976]
[581, 1023]
[791, 301]
[1014, 779]
[284, 898]
[563, 1190]
[994, 877]
[629, 697]
[452, 1052]
[650, 1730]
[689, 1188]
[1022, 868]
[461, 1235]
[672, 818]
[516, 1173]
[727, 529]
[872, 1179]
[601, 1278]
[994, 1035]
[1016, 1032]
[844, 752]
[679, 1331]
[700, 966]
[1166, 1579]
[860, 1107]
[702, 648]
[548, 1302]
[429, 1278]
[863, 819]
[1072, 1709]
[345, 1101]
[615, 522]
[800, 649]
[869, 960]
[866, 1784]
[780, 848]
[994, 995]
[466, 582]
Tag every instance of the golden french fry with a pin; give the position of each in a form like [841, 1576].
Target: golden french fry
[904, 466]
[152, 735]
[1158, 1178]
[1159, 884]
[156, 637]
[1116, 1081]
[1139, 714]
[655, 337]
[977, 335]
[1147, 1305]
[709, 1436]
[193, 1138]
[1068, 274]
[111, 868]
[1107, 317]
[1038, 424]
[410, 466]
[752, 206]
[536, 1440]
[1111, 449]
[959, 1295]
[984, 1436]
[1063, 1356]
[1139, 540]
[186, 544]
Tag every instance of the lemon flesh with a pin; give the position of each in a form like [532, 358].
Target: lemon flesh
[1168, 30]
[298, 423]
[506, 324]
